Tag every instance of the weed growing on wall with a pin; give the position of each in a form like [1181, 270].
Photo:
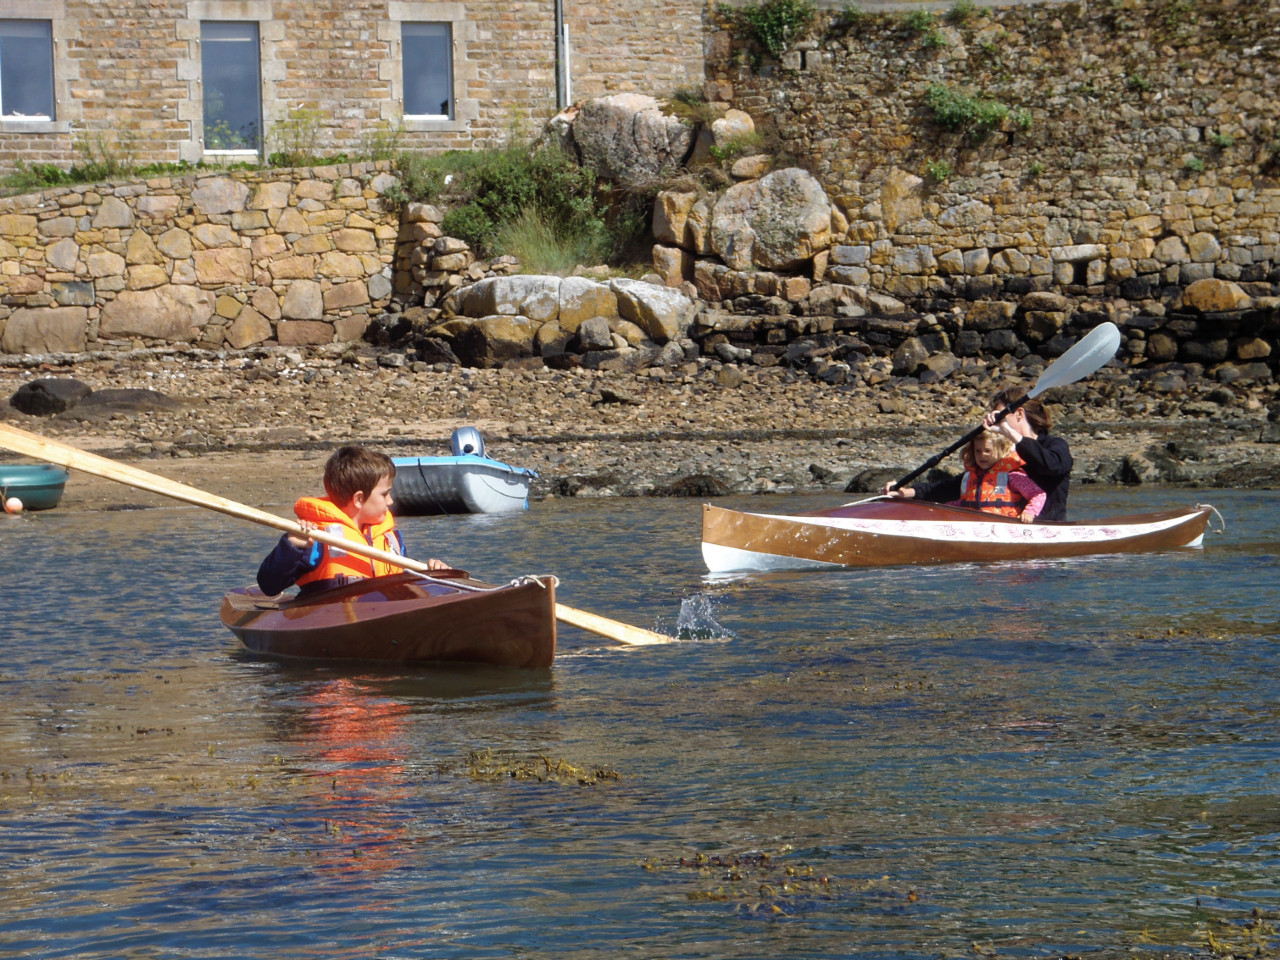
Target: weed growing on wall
[296, 138]
[976, 116]
[938, 170]
[773, 24]
[381, 141]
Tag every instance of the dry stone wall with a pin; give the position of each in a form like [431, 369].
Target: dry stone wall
[1140, 150]
[220, 260]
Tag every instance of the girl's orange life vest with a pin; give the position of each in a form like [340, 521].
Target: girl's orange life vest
[336, 562]
[989, 490]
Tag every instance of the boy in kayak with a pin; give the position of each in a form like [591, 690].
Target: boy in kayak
[357, 482]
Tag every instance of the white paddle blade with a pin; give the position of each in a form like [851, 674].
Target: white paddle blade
[1090, 354]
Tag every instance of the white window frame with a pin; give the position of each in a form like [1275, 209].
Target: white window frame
[242, 153]
[66, 111]
[270, 70]
[466, 72]
[403, 69]
[53, 109]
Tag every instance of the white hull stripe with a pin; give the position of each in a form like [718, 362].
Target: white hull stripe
[945, 531]
[729, 559]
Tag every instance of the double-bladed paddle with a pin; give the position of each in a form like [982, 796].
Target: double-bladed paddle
[33, 445]
[1097, 347]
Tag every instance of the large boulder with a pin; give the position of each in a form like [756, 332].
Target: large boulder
[171, 312]
[49, 395]
[776, 223]
[46, 330]
[581, 299]
[662, 313]
[105, 404]
[1212, 295]
[491, 341]
[535, 297]
[628, 139]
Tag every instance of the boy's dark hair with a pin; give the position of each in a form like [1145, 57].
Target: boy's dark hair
[1037, 415]
[354, 469]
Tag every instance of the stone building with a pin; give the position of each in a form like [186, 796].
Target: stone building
[222, 80]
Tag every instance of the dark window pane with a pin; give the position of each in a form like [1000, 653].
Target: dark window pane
[232, 102]
[427, 59]
[26, 68]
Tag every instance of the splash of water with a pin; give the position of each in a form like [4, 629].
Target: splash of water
[697, 620]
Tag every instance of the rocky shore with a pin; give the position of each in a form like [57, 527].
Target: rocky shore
[256, 426]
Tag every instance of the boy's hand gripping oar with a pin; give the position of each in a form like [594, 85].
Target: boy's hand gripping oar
[33, 445]
[1097, 347]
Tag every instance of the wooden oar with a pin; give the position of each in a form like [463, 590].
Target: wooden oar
[42, 448]
[1098, 346]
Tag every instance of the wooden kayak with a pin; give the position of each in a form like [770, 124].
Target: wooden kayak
[884, 532]
[404, 618]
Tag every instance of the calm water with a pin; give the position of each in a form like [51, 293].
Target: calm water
[1033, 759]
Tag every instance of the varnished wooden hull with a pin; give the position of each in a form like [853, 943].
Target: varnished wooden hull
[888, 532]
[403, 618]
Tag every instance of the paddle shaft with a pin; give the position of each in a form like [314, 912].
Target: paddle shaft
[1094, 349]
[937, 458]
[42, 448]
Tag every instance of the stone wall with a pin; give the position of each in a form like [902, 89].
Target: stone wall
[1140, 151]
[287, 256]
[127, 75]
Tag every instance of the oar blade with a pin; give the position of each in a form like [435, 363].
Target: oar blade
[621, 632]
[1090, 354]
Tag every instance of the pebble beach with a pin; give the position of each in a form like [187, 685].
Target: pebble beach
[257, 427]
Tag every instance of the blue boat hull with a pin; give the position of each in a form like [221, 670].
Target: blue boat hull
[462, 484]
[37, 485]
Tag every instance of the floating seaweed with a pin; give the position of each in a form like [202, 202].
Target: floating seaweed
[489, 765]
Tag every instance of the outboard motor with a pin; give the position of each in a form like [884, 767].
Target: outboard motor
[466, 440]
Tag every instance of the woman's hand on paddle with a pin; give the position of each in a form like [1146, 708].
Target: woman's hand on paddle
[890, 490]
[1014, 426]
[434, 564]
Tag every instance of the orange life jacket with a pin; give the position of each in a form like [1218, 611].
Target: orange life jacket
[989, 490]
[336, 562]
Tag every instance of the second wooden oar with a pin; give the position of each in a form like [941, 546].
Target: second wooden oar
[34, 445]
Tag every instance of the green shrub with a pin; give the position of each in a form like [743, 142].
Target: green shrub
[773, 24]
[850, 16]
[692, 107]
[934, 39]
[1137, 81]
[1035, 168]
[938, 170]
[543, 247]
[1194, 165]
[961, 11]
[513, 196]
[918, 20]
[954, 110]
[296, 139]
[380, 141]
[1223, 141]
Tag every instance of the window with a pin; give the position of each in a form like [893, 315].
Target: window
[232, 91]
[427, 59]
[26, 69]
